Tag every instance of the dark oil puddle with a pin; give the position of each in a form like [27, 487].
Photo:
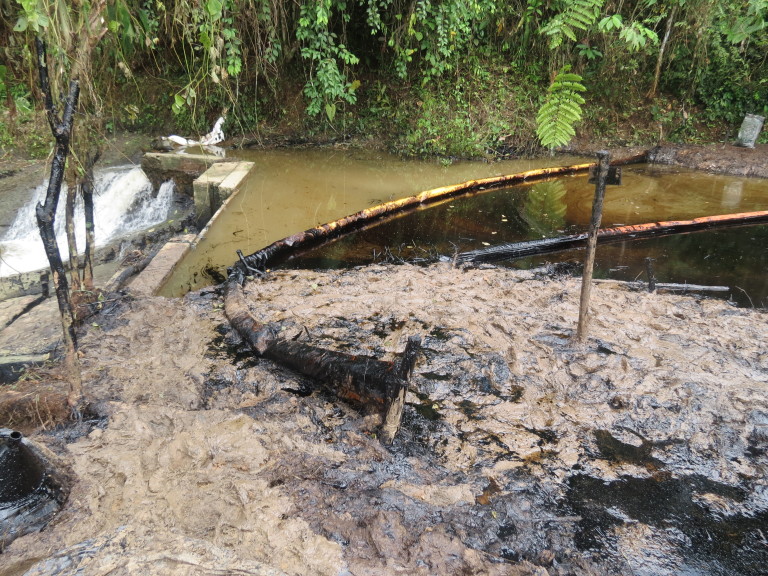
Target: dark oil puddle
[426, 408]
[229, 345]
[547, 436]
[713, 543]
[29, 494]
[436, 376]
[614, 449]
[471, 410]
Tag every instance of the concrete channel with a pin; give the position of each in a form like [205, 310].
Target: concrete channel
[218, 182]
[30, 330]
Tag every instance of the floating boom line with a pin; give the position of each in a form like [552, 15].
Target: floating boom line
[607, 235]
[261, 259]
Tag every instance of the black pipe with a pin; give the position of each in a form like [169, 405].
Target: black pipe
[21, 471]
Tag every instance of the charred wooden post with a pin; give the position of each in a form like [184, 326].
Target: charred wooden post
[651, 276]
[405, 367]
[46, 214]
[604, 160]
[362, 380]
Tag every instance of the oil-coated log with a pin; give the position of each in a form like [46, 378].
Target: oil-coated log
[607, 235]
[367, 382]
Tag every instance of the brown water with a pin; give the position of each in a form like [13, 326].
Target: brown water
[735, 257]
[292, 190]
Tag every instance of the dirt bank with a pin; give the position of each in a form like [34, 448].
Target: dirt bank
[520, 452]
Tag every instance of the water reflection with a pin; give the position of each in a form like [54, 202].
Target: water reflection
[292, 190]
[545, 208]
[736, 257]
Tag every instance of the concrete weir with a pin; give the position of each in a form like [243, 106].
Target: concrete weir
[212, 182]
[29, 329]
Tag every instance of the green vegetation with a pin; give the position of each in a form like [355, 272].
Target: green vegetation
[447, 77]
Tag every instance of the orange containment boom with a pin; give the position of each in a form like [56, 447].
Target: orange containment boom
[606, 235]
[281, 249]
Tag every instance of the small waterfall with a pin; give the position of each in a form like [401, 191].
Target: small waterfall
[123, 204]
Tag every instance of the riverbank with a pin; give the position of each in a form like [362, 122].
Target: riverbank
[520, 453]
[517, 454]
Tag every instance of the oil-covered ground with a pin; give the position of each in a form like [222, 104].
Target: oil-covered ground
[644, 451]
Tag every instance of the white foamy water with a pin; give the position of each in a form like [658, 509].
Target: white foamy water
[123, 204]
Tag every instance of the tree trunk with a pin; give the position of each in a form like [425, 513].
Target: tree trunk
[46, 215]
[662, 48]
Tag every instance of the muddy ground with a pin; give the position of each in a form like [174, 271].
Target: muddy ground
[644, 451]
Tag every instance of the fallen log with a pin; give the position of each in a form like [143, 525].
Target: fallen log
[662, 286]
[374, 384]
[608, 235]
[281, 249]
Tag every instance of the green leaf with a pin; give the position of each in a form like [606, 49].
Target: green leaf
[330, 111]
[178, 103]
[21, 24]
[561, 110]
[213, 7]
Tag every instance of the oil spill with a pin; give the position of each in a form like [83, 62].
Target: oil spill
[711, 542]
[385, 326]
[470, 409]
[29, 495]
[228, 345]
[547, 436]
[427, 408]
[439, 334]
[611, 448]
[515, 393]
[436, 376]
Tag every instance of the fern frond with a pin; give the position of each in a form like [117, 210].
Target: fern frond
[576, 15]
[561, 110]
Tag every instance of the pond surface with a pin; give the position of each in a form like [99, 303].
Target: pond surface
[290, 191]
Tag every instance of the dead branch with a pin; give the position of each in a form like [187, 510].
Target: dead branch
[608, 235]
[46, 215]
[365, 381]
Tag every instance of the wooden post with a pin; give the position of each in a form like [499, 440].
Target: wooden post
[651, 275]
[604, 159]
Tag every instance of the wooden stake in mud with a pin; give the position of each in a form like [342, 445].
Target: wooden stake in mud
[604, 159]
[651, 275]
